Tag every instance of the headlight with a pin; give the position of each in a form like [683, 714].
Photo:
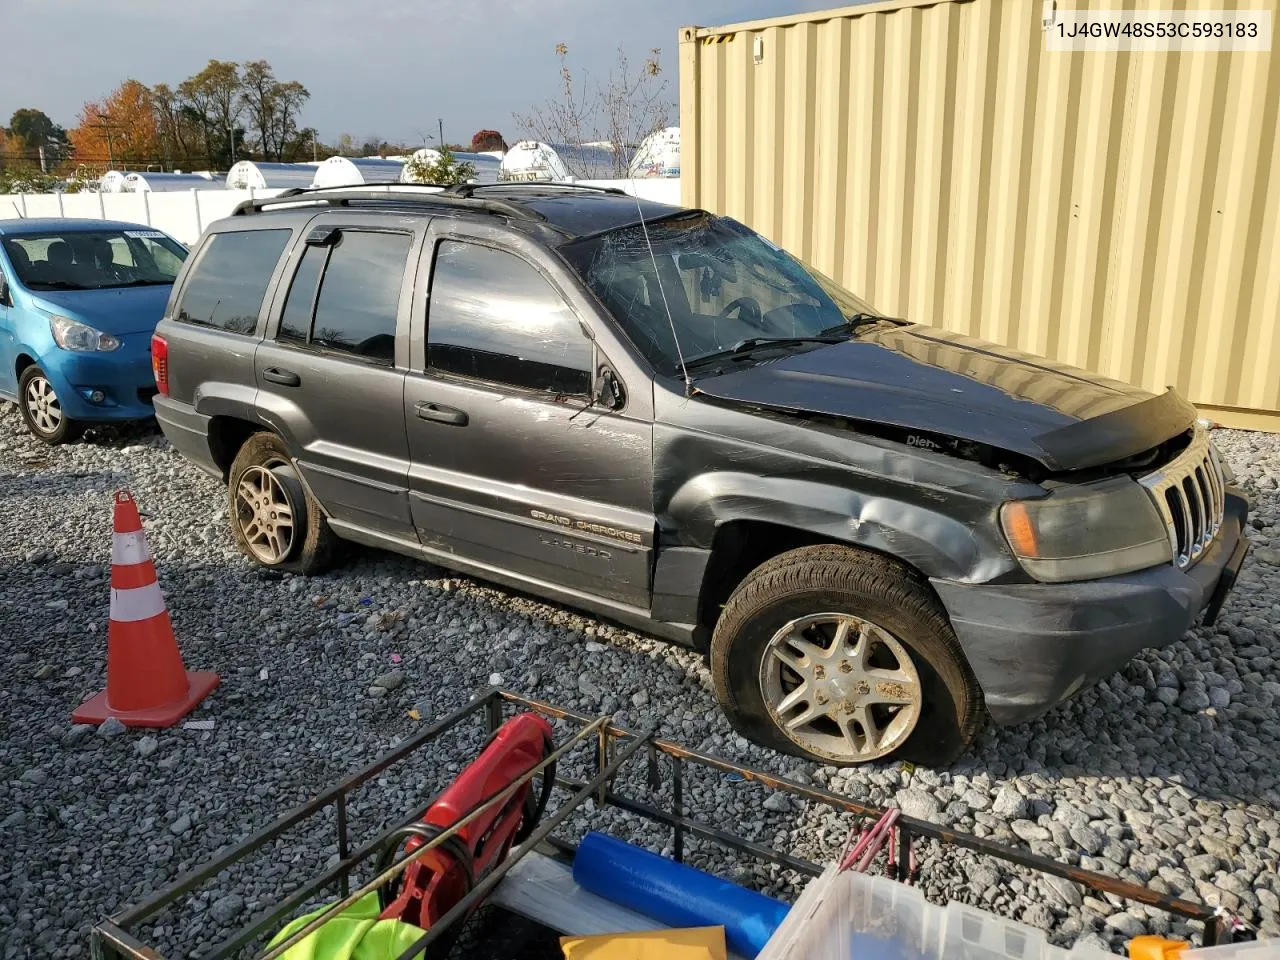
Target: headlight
[1086, 532]
[80, 337]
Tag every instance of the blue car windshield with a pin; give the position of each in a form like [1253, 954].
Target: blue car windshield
[95, 259]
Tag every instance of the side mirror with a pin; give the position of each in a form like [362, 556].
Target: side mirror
[609, 391]
[5, 299]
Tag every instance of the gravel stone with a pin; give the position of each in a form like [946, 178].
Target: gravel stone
[390, 681]
[147, 746]
[111, 727]
[919, 804]
[777, 802]
[1010, 804]
[1127, 924]
[1170, 769]
[227, 908]
[76, 733]
[1066, 893]
[1029, 830]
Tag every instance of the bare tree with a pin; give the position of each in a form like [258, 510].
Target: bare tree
[273, 109]
[623, 110]
[632, 106]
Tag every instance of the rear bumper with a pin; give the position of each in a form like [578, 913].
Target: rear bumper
[1032, 646]
[187, 432]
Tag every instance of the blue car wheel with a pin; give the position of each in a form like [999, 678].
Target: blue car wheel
[42, 410]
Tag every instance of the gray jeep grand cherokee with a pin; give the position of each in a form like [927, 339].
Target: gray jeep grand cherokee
[881, 533]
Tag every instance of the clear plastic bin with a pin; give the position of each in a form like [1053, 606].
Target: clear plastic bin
[1253, 950]
[854, 916]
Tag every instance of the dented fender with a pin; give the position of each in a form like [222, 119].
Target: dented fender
[938, 545]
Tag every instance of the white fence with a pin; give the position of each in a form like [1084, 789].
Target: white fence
[184, 215]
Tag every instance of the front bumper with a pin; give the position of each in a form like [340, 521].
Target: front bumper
[1032, 646]
[124, 376]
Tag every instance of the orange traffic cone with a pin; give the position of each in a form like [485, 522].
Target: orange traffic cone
[147, 684]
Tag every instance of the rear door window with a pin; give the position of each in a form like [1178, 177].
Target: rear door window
[353, 310]
[493, 317]
[228, 284]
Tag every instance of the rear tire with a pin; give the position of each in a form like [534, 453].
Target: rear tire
[820, 645]
[274, 519]
[42, 410]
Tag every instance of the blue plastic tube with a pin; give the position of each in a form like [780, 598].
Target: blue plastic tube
[674, 894]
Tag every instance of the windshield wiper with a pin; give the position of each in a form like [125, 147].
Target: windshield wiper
[57, 285]
[139, 283]
[744, 348]
[852, 322]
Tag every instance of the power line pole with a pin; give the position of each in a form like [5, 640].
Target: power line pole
[441, 123]
[106, 126]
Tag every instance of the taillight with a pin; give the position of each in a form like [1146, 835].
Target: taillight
[160, 363]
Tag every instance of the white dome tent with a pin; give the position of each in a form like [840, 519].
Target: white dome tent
[486, 165]
[532, 160]
[347, 172]
[168, 182]
[111, 182]
[658, 155]
[253, 175]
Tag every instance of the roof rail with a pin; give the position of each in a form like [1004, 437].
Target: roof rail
[343, 196]
[467, 189]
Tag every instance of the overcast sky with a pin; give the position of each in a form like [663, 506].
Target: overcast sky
[385, 67]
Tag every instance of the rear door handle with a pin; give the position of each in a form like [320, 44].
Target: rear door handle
[442, 414]
[286, 378]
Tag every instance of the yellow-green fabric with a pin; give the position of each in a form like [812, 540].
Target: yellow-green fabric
[354, 934]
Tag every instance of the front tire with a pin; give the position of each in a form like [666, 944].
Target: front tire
[275, 521]
[42, 410]
[844, 657]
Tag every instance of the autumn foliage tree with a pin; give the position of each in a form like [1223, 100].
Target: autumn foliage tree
[121, 128]
[223, 113]
[486, 140]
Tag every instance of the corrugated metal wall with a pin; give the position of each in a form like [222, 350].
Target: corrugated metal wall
[1116, 211]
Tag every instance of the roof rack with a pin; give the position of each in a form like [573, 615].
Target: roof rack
[402, 193]
[467, 189]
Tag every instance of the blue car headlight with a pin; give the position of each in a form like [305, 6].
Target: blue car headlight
[80, 337]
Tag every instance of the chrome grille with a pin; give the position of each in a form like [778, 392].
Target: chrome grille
[1189, 493]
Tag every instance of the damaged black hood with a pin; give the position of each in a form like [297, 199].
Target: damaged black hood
[921, 378]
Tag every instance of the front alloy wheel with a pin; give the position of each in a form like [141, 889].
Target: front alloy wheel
[42, 410]
[844, 656]
[840, 686]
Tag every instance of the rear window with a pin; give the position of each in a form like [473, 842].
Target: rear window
[226, 289]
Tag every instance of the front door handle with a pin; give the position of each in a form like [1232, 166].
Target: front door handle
[442, 414]
[286, 378]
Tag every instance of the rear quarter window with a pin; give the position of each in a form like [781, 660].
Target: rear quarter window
[230, 280]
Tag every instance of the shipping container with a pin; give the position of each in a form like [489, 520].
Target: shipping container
[1119, 211]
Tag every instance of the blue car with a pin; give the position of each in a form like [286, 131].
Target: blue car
[79, 300]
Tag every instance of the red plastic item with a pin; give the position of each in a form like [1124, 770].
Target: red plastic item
[147, 684]
[433, 884]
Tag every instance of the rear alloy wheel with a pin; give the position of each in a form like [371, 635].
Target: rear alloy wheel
[275, 520]
[42, 410]
[264, 512]
[844, 656]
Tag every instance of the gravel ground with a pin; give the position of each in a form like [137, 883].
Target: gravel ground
[1168, 773]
